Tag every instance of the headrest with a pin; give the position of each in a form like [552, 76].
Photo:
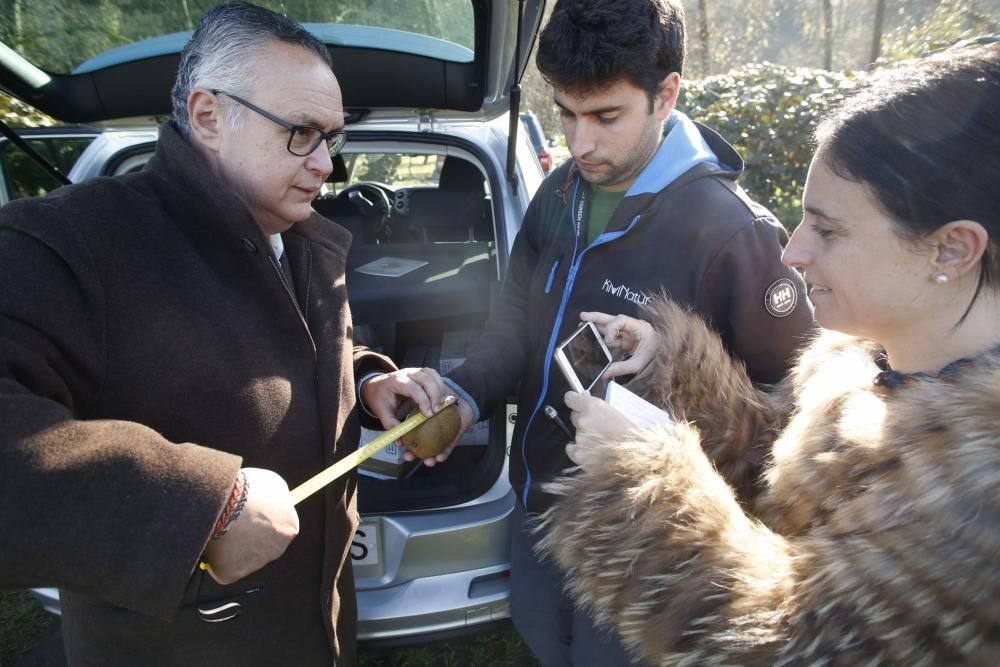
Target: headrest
[461, 175]
[339, 173]
[445, 208]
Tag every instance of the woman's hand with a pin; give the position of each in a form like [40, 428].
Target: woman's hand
[595, 422]
[634, 337]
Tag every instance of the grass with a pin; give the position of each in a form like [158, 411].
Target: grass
[502, 648]
[23, 621]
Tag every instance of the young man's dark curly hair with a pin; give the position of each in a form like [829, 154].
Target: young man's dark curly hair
[591, 43]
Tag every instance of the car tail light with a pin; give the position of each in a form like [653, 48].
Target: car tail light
[545, 159]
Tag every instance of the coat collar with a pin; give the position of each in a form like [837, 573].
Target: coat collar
[689, 150]
[178, 164]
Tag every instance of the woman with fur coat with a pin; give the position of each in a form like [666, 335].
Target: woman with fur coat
[874, 535]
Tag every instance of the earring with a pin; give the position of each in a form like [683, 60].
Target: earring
[941, 278]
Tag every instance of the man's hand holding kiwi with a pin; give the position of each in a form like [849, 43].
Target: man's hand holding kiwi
[393, 396]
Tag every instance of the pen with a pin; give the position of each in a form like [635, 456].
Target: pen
[551, 413]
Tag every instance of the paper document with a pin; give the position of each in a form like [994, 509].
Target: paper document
[390, 267]
[638, 410]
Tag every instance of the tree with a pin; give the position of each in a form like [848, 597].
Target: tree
[948, 23]
[706, 52]
[827, 23]
[877, 32]
[186, 13]
[536, 93]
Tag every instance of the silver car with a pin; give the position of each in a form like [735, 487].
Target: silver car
[434, 188]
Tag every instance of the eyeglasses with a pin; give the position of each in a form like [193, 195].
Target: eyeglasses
[302, 139]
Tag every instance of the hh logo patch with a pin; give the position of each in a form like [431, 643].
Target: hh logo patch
[781, 297]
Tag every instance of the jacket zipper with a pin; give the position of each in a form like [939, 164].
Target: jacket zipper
[567, 289]
[552, 274]
[295, 304]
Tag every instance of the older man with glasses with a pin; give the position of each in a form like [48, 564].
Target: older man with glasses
[302, 139]
[175, 351]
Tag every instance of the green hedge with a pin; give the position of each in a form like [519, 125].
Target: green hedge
[768, 112]
[16, 113]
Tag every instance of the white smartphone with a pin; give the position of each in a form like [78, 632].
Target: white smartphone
[583, 357]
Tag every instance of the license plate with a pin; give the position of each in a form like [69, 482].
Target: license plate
[365, 546]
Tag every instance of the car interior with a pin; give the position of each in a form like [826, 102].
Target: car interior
[422, 272]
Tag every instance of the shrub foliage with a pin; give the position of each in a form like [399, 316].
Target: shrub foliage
[16, 113]
[768, 112]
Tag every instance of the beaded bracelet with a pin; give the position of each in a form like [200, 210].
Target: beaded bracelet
[237, 500]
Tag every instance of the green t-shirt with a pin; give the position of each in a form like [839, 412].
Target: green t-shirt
[601, 206]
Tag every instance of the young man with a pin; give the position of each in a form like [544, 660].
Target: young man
[167, 332]
[648, 204]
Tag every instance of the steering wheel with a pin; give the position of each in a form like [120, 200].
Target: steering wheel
[373, 202]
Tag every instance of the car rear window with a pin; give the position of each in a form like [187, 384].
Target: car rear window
[60, 35]
[394, 169]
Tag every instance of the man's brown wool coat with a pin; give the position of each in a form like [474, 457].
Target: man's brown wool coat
[874, 540]
[148, 350]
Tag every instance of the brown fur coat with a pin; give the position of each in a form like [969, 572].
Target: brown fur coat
[874, 540]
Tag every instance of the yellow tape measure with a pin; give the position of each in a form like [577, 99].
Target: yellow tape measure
[352, 460]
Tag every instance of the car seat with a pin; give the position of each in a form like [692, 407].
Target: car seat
[454, 211]
[340, 209]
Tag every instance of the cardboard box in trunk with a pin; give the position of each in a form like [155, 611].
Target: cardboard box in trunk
[389, 463]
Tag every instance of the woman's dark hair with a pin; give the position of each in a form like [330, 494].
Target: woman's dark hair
[590, 43]
[924, 138]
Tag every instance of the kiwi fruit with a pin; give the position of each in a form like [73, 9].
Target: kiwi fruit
[430, 438]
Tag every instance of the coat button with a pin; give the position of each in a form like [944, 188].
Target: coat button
[250, 246]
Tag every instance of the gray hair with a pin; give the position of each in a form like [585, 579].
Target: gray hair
[223, 53]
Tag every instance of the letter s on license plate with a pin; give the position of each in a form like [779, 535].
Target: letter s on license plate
[365, 545]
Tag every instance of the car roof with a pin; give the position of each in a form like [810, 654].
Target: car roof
[378, 67]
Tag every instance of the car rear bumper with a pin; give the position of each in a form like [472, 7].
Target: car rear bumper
[446, 605]
[441, 571]
[49, 597]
